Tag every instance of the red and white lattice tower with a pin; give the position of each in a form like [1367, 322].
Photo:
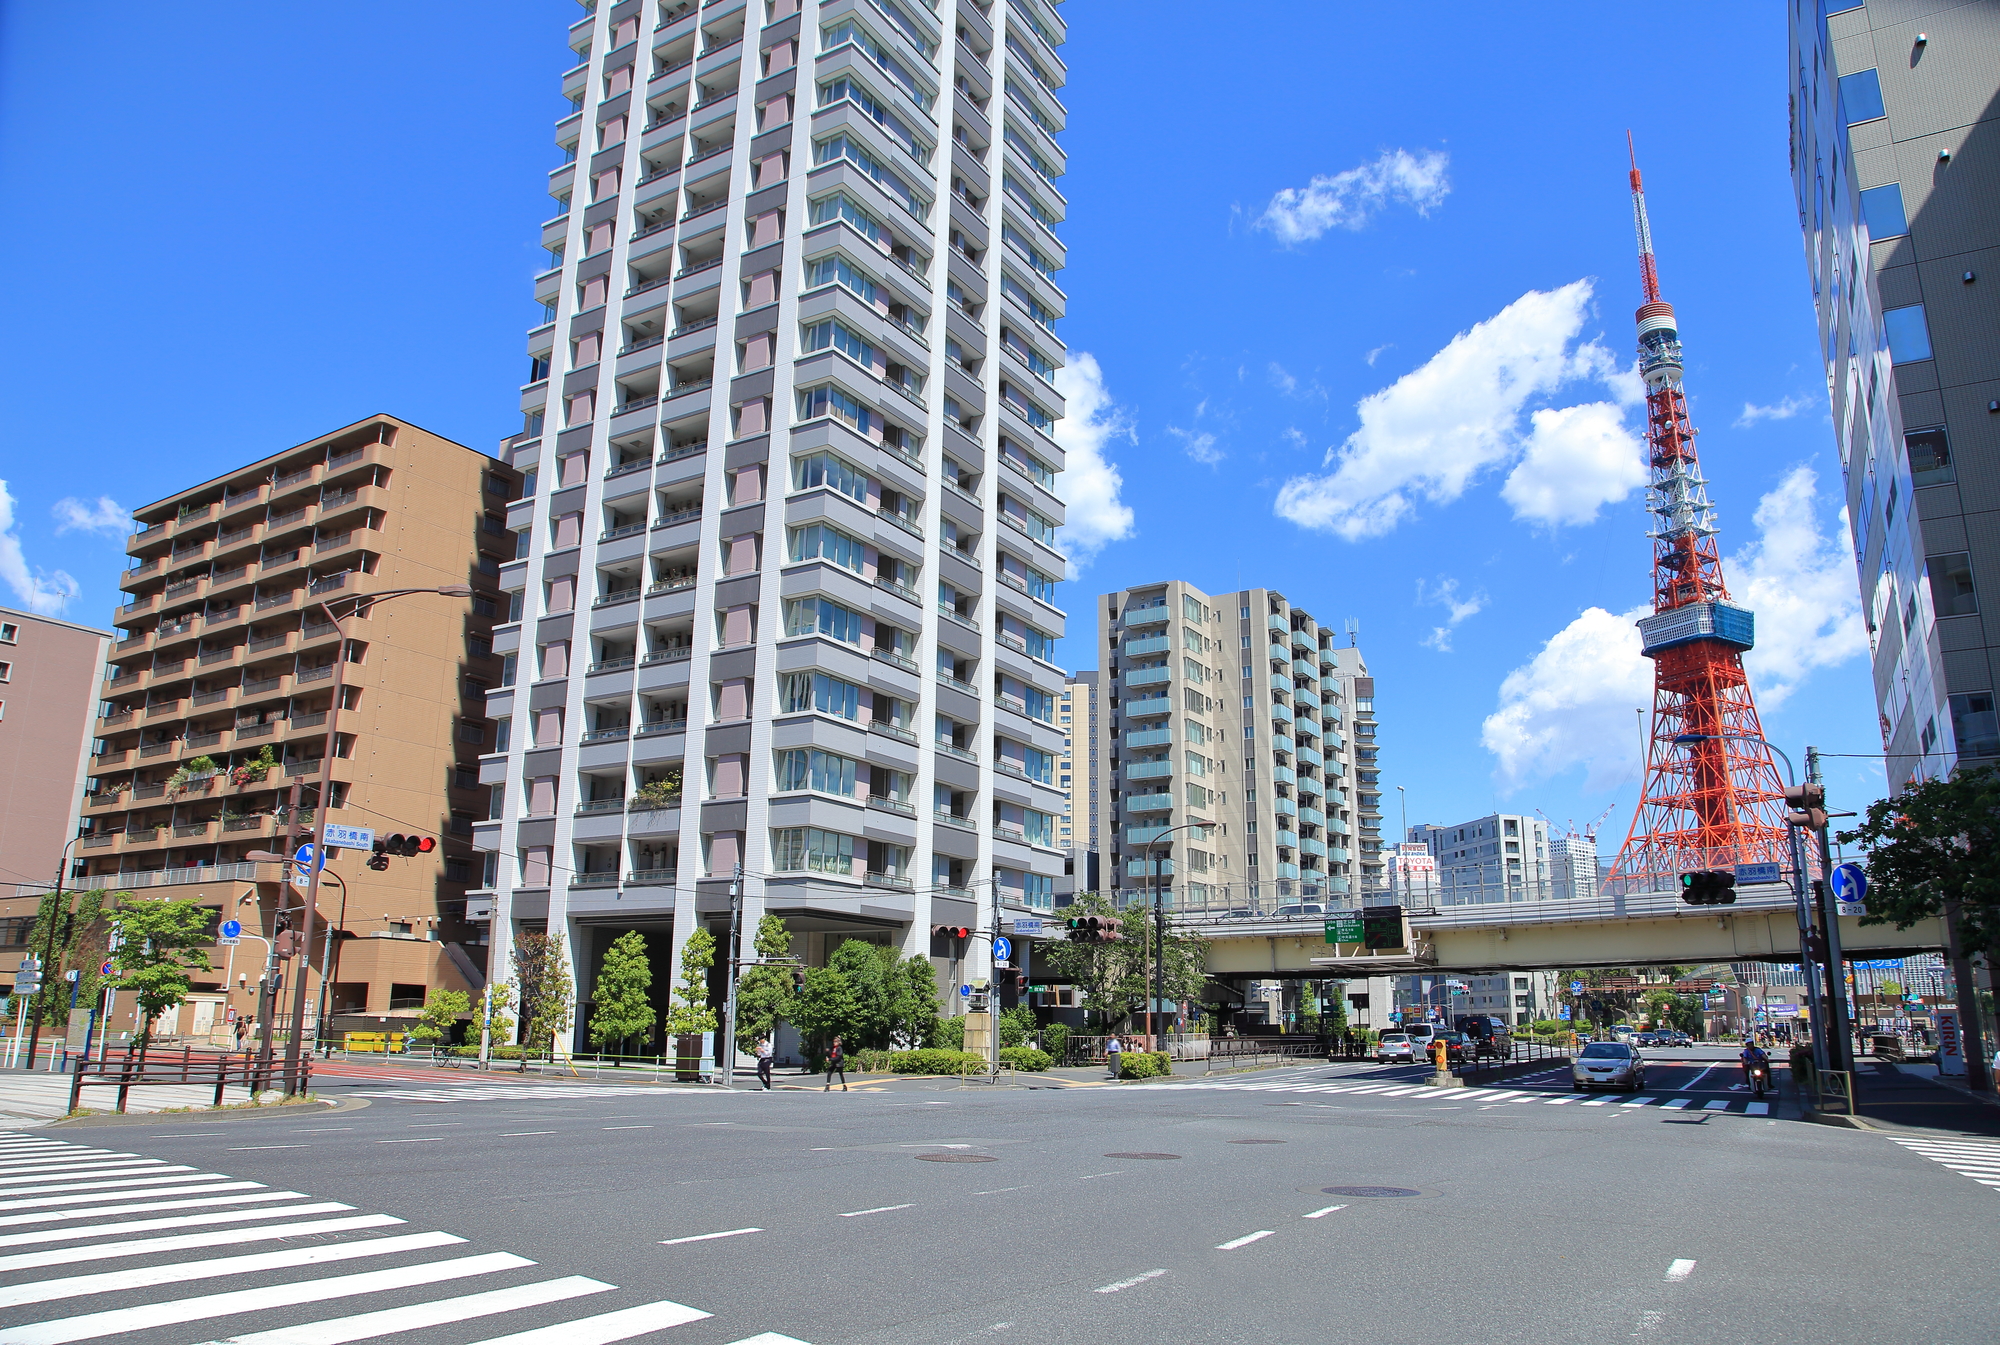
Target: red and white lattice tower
[1712, 797]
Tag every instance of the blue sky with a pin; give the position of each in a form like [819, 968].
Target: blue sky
[1399, 397]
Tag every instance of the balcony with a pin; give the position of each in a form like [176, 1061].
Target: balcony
[883, 803]
[1148, 803]
[589, 806]
[1147, 709]
[1152, 644]
[1141, 677]
[604, 878]
[888, 730]
[614, 664]
[894, 882]
[1147, 770]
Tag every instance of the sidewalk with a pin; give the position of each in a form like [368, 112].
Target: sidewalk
[33, 1098]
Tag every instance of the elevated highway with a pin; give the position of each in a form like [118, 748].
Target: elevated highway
[1636, 929]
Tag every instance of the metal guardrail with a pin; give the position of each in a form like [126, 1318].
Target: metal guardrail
[138, 1069]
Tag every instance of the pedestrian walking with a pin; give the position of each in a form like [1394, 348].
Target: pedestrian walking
[1112, 1050]
[836, 1062]
[240, 1032]
[764, 1063]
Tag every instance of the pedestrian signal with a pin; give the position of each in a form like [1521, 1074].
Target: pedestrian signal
[1808, 806]
[1708, 887]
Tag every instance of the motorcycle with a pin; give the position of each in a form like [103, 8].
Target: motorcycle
[1759, 1079]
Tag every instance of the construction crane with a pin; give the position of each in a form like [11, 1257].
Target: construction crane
[1710, 797]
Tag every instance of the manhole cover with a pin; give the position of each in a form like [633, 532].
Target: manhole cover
[1369, 1191]
[1142, 1155]
[956, 1158]
[1256, 1141]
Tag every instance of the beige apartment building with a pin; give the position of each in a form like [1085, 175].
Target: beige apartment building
[215, 703]
[48, 671]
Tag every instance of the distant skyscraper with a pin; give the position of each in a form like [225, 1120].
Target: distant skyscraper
[785, 584]
[1894, 109]
[1499, 857]
[1240, 714]
[1077, 711]
[51, 675]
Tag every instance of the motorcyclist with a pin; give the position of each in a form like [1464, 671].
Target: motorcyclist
[1753, 1057]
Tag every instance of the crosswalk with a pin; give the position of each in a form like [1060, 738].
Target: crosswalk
[526, 1092]
[100, 1244]
[1307, 1083]
[1974, 1158]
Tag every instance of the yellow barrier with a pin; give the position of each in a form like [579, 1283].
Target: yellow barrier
[384, 1042]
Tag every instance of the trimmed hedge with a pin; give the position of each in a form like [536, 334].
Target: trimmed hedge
[1026, 1058]
[1144, 1064]
[497, 1053]
[936, 1062]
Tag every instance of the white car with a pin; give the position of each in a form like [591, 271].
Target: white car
[1395, 1046]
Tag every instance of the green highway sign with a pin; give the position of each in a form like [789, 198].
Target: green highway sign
[1344, 929]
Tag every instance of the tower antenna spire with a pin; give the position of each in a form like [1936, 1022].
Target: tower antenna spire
[1711, 795]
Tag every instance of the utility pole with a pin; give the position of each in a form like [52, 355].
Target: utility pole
[56, 911]
[725, 1042]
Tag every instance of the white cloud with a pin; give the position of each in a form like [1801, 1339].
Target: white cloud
[1427, 435]
[1785, 410]
[1376, 353]
[1800, 582]
[1349, 200]
[1445, 594]
[1283, 380]
[1572, 705]
[1294, 436]
[47, 592]
[1579, 459]
[1095, 516]
[1198, 444]
[105, 515]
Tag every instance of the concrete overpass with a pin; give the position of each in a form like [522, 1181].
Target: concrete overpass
[1636, 929]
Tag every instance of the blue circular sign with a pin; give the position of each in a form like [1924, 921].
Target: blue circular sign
[1850, 884]
[1003, 949]
[232, 929]
[965, 990]
[306, 855]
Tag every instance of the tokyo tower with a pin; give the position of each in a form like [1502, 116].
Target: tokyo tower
[1712, 797]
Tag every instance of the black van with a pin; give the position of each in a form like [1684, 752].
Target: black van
[1490, 1037]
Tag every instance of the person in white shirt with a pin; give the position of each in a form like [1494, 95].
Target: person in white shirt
[764, 1062]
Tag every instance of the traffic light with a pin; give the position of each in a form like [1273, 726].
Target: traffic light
[288, 943]
[1020, 982]
[400, 844]
[1708, 887]
[1108, 931]
[1808, 806]
[1093, 929]
[798, 980]
[950, 932]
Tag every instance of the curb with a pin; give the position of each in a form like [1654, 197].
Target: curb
[101, 1120]
[1838, 1119]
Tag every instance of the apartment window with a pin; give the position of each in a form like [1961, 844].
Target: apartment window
[811, 850]
[6, 672]
[820, 542]
[1930, 457]
[836, 270]
[479, 647]
[1909, 334]
[457, 870]
[1882, 209]
[483, 605]
[9, 633]
[471, 731]
[502, 734]
[819, 616]
[802, 692]
[1951, 587]
[823, 469]
[1975, 725]
[510, 667]
[1861, 96]
[822, 772]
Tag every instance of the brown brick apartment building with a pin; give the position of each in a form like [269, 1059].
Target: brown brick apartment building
[217, 697]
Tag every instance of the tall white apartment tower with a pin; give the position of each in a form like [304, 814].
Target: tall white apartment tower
[786, 571]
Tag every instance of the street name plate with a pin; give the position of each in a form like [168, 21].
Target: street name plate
[1757, 873]
[350, 838]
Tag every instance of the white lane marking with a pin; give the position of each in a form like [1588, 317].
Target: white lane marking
[1559, 1101]
[1675, 1103]
[999, 1189]
[421, 1139]
[517, 1134]
[761, 1338]
[1127, 1284]
[1321, 1214]
[879, 1209]
[32, 1172]
[1514, 1093]
[387, 1321]
[121, 1321]
[1600, 1102]
[1679, 1270]
[1689, 1085]
[1093, 1176]
[153, 1207]
[207, 1187]
[1719, 1104]
[1638, 1101]
[322, 1130]
[625, 1127]
[708, 1237]
[624, 1324]
[105, 1251]
[1759, 1109]
[1245, 1240]
[119, 1281]
[246, 1148]
[183, 1221]
[184, 1174]
[1399, 1092]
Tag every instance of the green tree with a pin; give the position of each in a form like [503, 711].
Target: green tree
[764, 994]
[442, 1009]
[80, 932]
[497, 999]
[872, 994]
[688, 1013]
[1333, 1009]
[823, 1006]
[622, 1000]
[915, 1010]
[160, 942]
[1016, 1026]
[1934, 849]
[1113, 977]
[546, 991]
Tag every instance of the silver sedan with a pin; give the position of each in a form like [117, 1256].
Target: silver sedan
[1608, 1064]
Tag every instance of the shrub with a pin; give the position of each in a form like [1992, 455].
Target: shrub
[1015, 1025]
[867, 1061]
[1055, 1039]
[947, 1034]
[497, 1053]
[1144, 1065]
[935, 1062]
[1026, 1058]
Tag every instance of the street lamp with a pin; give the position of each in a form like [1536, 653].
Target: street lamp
[357, 604]
[55, 907]
[1157, 955]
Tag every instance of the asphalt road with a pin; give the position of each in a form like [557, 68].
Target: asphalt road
[1187, 1211]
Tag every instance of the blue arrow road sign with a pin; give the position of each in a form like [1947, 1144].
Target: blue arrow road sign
[965, 990]
[231, 929]
[1003, 949]
[1850, 884]
[304, 857]
[1575, 987]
